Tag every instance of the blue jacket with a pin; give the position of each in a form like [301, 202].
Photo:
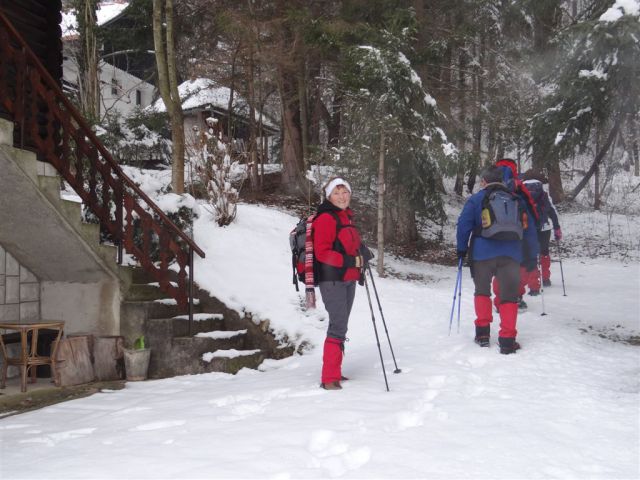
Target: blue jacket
[470, 219]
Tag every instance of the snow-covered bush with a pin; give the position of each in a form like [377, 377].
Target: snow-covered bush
[211, 164]
[136, 140]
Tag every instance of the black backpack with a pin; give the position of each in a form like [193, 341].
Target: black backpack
[503, 217]
[297, 241]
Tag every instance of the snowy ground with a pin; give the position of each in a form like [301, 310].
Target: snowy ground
[565, 406]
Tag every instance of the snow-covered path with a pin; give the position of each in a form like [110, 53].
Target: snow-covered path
[565, 406]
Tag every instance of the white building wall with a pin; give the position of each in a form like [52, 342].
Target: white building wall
[119, 91]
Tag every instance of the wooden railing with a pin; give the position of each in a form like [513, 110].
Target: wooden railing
[47, 122]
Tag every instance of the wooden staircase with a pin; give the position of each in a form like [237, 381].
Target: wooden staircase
[46, 122]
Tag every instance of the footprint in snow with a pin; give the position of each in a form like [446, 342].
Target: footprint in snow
[145, 427]
[52, 439]
[126, 411]
[334, 456]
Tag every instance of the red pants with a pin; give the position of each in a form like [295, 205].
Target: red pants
[533, 279]
[332, 360]
[508, 316]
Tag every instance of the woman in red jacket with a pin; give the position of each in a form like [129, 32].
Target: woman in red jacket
[336, 245]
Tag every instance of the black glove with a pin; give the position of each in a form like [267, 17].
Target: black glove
[366, 253]
[351, 261]
[461, 254]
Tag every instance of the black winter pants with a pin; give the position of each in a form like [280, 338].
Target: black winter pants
[544, 237]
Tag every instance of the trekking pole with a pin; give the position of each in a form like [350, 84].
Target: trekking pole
[459, 293]
[384, 323]
[375, 329]
[564, 292]
[455, 291]
[539, 267]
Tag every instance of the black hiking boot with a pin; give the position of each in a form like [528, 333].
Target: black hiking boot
[482, 336]
[534, 293]
[521, 304]
[508, 345]
[546, 283]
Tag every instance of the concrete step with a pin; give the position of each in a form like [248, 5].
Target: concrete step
[232, 361]
[108, 253]
[89, 231]
[50, 187]
[144, 292]
[148, 318]
[197, 346]
[139, 275]
[202, 322]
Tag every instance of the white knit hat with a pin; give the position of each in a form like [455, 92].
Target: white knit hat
[333, 184]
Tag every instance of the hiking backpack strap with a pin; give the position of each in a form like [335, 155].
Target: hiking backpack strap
[308, 254]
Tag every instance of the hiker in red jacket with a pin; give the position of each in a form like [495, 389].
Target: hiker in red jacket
[336, 246]
[529, 261]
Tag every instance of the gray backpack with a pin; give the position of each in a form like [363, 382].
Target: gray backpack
[503, 218]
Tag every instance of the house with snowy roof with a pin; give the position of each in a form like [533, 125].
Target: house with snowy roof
[203, 98]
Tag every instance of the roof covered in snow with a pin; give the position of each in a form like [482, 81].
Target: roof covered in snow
[204, 93]
[107, 11]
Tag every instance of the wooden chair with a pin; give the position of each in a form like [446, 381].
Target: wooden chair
[28, 359]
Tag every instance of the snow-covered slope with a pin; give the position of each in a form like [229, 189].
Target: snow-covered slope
[565, 406]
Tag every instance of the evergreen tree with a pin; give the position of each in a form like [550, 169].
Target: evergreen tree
[594, 87]
[384, 95]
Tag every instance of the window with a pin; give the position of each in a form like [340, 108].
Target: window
[138, 97]
[114, 86]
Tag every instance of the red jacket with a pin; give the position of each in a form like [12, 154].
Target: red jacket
[330, 253]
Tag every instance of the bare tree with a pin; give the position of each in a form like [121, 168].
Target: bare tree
[163, 39]
[598, 160]
[89, 87]
[381, 186]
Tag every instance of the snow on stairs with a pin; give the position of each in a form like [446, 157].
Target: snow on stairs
[220, 340]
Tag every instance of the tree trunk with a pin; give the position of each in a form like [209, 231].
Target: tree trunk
[88, 61]
[462, 116]
[292, 165]
[253, 146]
[163, 39]
[304, 114]
[232, 90]
[381, 186]
[596, 162]
[406, 230]
[634, 146]
[315, 102]
[596, 188]
[477, 114]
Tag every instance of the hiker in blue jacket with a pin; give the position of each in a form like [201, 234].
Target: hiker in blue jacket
[492, 255]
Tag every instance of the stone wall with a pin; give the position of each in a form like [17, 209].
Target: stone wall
[19, 291]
